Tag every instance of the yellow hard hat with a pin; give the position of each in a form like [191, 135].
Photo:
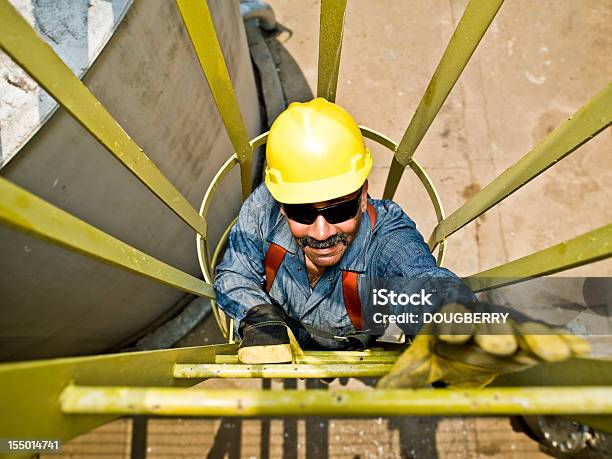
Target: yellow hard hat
[315, 152]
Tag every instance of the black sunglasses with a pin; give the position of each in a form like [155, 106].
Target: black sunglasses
[335, 213]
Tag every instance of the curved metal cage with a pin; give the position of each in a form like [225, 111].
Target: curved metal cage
[26, 212]
[208, 267]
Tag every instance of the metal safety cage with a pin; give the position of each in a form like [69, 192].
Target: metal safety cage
[66, 397]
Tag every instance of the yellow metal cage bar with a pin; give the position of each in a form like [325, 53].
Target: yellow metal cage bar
[29, 213]
[331, 27]
[420, 173]
[160, 401]
[201, 29]
[587, 122]
[30, 390]
[328, 357]
[361, 369]
[472, 26]
[202, 246]
[581, 250]
[122, 381]
[37, 58]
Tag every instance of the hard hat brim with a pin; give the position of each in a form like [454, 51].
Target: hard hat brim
[320, 190]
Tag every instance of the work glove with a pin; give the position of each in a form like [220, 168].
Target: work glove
[267, 336]
[468, 355]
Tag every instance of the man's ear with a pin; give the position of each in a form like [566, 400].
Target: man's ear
[282, 209]
[364, 196]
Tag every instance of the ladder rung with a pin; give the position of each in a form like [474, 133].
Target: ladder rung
[363, 353]
[282, 370]
[326, 358]
[165, 401]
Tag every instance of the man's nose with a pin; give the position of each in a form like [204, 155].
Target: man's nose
[321, 229]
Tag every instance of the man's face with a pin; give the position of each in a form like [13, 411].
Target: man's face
[323, 242]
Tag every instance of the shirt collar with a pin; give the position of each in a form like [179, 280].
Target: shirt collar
[281, 234]
[352, 260]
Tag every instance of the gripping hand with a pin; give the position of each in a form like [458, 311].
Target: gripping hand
[466, 355]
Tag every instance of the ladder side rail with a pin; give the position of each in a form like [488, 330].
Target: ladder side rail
[586, 123]
[474, 22]
[201, 30]
[584, 249]
[331, 30]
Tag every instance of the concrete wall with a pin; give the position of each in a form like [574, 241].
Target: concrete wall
[77, 30]
[56, 303]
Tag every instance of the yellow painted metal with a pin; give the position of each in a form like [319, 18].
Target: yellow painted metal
[331, 29]
[231, 339]
[581, 250]
[202, 241]
[206, 264]
[201, 29]
[201, 245]
[587, 122]
[397, 402]
[39, 60]
[45, 381]
[26, 212]
[259, 140]
[281, 370]
[474, 23]
[220, 317]
[373, 351]
[569, 374]
[31, 390]
[327, 359]
[420, 173]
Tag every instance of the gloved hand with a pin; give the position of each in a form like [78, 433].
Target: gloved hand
[465, 355]
[267, 336]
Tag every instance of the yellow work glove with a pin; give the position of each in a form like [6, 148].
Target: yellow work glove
[463, 355]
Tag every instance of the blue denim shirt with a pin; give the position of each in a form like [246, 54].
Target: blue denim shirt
[394, 248]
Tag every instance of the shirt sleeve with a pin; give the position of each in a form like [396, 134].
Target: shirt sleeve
[239, 277]
[405, 265]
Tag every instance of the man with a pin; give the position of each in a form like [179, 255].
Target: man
[307, 241]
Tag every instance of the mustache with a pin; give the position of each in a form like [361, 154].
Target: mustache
[308, 241]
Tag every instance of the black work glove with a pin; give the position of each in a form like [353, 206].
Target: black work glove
[268, 335]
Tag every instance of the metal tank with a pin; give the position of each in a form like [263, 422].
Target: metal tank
[58, 303]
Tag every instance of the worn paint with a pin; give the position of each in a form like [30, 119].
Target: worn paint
[300, 370]
[20, 41]
[77, 31]
[396, 402]
[331, 29]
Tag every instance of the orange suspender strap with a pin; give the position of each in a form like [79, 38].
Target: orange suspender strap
[350, 292]
[272, 261]
[372, 214]
[350, 287]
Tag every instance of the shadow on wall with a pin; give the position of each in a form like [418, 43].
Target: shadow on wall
[293, 81]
